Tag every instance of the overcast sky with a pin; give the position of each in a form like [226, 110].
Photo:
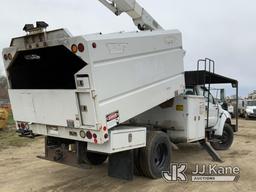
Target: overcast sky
[224, 30]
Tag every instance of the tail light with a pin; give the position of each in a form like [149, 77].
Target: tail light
[81, 47]
[94, 45]
[74, 48]
[88, 134]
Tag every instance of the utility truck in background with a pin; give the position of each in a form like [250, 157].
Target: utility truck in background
[121, 96]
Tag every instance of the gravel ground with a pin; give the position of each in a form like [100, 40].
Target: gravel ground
[21, 170]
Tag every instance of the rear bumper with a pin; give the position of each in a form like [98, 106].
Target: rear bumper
[77, 134]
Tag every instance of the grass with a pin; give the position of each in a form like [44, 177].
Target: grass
[9, 137]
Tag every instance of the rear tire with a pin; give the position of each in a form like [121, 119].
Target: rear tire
[156, 156]
[95, 158]
[226, 139]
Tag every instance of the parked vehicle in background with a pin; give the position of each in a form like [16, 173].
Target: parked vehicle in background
[250, 109]
[231, 101]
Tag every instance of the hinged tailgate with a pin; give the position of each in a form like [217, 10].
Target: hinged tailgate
[51, 107]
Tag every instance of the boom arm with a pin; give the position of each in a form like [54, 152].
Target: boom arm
[141, 18]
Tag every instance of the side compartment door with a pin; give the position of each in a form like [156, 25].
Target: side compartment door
[86, 108]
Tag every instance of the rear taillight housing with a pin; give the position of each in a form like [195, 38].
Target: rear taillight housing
[81, 47]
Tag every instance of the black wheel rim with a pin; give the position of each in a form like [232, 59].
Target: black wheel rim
[160, 155]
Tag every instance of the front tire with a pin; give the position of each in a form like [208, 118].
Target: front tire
[156, 156]
[226, 140]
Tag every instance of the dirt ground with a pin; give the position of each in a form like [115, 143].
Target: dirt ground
[21, 170]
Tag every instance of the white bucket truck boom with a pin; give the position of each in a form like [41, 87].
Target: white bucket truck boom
[84, 92]
[141, 18]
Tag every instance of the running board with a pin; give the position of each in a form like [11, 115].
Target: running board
[207, 146]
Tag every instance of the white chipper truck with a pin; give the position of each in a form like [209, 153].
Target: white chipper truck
[119, 96]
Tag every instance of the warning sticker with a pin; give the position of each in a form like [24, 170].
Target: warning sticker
[112, 119]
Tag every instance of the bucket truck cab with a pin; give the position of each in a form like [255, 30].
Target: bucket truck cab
[215, 109]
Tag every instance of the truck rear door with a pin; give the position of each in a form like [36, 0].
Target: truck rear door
[43, 87]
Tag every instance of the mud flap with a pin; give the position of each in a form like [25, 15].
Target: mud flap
[121, 165]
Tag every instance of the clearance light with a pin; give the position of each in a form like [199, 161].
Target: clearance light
[74, 48]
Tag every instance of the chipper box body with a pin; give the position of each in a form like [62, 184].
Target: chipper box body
[74, 87]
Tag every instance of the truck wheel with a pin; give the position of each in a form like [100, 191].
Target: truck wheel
[226, 139]
[156, 156]
[95, 158]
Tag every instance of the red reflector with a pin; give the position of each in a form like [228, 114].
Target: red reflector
[88, 134]
[80, 47]
[95, 141]
[106, 136]
[104, 128]
[94, 136]
[94, 45]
